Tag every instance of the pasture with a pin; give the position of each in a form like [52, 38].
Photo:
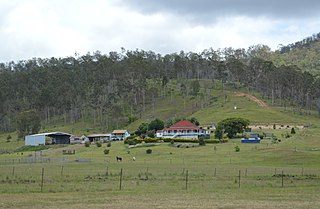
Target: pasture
[266, 175]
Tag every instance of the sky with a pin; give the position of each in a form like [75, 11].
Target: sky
[60, 28]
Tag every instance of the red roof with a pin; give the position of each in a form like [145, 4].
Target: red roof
[183, 125]
[159, 131]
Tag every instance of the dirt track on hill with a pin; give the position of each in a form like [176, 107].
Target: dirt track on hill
[253, 98]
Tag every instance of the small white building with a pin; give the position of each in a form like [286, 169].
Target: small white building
[159, 133]
[118, 135]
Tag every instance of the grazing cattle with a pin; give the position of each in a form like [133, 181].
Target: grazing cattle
[118, 158]
[133, 159]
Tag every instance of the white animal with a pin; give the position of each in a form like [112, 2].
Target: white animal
[133, 158]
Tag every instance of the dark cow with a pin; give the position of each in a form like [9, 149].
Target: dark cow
[118, 158]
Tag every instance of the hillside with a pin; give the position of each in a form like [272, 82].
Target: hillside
[304, 54]
[213, 107]
[101, 92]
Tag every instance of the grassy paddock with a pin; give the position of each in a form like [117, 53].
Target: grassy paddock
[92, 179]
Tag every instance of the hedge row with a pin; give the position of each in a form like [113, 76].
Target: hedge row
[137, 140]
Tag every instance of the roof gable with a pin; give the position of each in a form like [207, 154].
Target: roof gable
[119, 131]
[183, 124]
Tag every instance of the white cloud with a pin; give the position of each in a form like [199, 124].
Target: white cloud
[44, 28]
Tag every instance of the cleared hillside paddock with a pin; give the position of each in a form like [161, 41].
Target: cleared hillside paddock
[266, 175]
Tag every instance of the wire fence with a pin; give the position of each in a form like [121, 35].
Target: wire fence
[64, 175]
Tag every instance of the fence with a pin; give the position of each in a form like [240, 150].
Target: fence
[71, 176]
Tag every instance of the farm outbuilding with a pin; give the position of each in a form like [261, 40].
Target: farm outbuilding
[99, 137]
[55, 138]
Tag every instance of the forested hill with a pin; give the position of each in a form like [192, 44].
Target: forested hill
[305, 54]
[114, 87]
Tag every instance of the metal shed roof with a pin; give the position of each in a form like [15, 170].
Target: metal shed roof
[52, 134]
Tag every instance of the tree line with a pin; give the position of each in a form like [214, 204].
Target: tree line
[107, 89]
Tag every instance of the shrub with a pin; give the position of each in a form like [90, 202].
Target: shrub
[293, 131]
[150, 140]
[172, 142]
[149, 151]
[150, 134]
[9, 138]
[98, 144]
[106, 151]
[202, 142]
[216, 141]
[130, 141]
[237, 148]
[87, 143]
[109, 144]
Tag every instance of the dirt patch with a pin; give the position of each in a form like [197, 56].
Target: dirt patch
[253, 98]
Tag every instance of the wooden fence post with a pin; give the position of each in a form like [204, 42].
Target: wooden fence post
[282, 179]
[239, 177]
[147, 174]
[42, 179]
[187, 172]
[120, 186]
[61, 170]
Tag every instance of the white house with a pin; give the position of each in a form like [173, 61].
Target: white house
[185, 129]
[117, 135]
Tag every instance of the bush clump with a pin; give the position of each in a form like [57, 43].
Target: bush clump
[293, 131]
[202, 142]
[106, 151]
[237, 148]
[148, 151]
[98, 144]
[87, 143]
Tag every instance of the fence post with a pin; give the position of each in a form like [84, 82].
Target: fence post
[147, 174]
[187, 172]
[282, 179]
[42, 179]
[239, 177]
[13, 168]
[120, 186]
[61, 170]
[215, 172]
[302, 171]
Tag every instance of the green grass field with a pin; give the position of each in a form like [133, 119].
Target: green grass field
[91, 179]
[171, 177]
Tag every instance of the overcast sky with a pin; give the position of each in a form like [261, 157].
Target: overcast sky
[59, 28]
